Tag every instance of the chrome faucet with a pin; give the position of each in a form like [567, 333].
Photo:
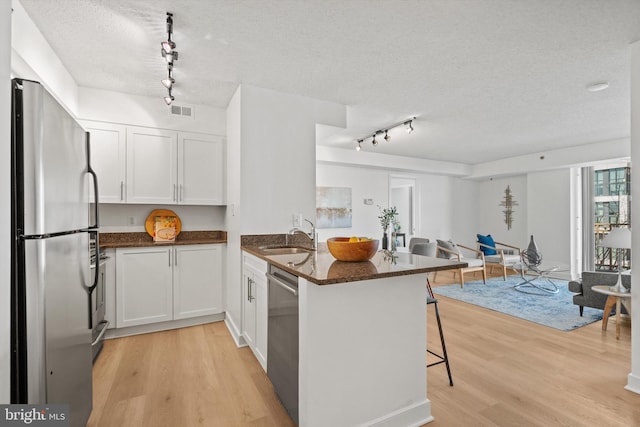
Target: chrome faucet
[312, 235]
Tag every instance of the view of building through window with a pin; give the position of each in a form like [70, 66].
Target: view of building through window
[612, 199]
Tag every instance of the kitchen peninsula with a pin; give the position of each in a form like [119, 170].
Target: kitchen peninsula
[362, 337]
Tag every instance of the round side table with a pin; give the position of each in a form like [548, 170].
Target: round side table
[613, 298]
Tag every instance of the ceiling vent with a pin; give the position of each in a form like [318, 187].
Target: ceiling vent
[185, 111]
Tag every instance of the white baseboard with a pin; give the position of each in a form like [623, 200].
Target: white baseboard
[633, 383]
[411, 416]
[162, 326]
[234, 331]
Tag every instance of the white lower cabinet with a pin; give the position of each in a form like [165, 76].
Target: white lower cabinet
[255, 306]
[167, 283]
[197, 281]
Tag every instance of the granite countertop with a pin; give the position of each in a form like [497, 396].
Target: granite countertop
[321, 268]
[142, 239]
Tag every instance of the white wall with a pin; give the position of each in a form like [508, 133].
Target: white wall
[491, 215]
[5, 194]
[233, 290]
[444, 203]
[278, 155]
[116, 107]
[549, 220]
[32, 58]
[364, 184]
[116, 217]
[271, 164]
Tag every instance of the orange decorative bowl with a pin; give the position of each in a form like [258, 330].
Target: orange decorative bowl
[344, 250]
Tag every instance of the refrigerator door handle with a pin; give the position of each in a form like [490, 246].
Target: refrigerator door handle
[96, 271]
[95, 184]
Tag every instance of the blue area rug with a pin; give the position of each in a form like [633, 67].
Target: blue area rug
[553, 310]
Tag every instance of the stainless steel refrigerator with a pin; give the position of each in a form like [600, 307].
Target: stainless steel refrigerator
[51, 279]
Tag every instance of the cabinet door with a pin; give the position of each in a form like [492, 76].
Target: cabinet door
[108, 154]
[201, 169]
[144, 290]
[248, 308]
[262, 319]
[197, 281]
[151, 166]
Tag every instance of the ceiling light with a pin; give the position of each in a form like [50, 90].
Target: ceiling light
[169, 99]
[409, 124]
[387, 136]
[168, 83]
[168, 46]
[598, 86]
[168, 52]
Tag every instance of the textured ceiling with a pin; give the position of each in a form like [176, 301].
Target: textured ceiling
[487, 79]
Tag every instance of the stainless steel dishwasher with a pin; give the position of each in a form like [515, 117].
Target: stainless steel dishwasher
[282, 346]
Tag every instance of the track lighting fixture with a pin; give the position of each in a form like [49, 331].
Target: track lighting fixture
[387, 137]
[170, 54]
[409, 125]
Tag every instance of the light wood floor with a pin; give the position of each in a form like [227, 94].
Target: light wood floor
[507, 372]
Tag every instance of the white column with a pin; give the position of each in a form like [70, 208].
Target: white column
[5, 193]
[633, 381]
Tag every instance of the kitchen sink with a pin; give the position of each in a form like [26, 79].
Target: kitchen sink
[284, 250]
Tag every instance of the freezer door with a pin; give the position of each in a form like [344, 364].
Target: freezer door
[58, 338]
[54, 158]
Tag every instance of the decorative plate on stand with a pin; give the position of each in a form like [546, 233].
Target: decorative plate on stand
[149, 224]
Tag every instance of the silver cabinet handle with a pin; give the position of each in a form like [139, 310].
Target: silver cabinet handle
[181, 194]
[249, 289]
[286, 286]
[169, 252]
[175, 257]
[175, 193]
[121, 190]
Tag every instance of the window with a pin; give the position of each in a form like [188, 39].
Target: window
[611, 208]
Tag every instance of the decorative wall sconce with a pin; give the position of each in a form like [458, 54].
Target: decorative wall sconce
[170, 54]
[409, 127]
[508, 203]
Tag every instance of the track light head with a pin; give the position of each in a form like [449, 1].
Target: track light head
[359, 147]
[386, 135]
[409, 124]
[169, 99]
[168, 82]
[373, 140]
[167, 47]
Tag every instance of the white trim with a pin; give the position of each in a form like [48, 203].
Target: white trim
[234, 331]
[633, 383]
[162, 326]
[413, 415]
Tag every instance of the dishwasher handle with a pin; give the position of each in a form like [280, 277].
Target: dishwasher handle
[282, 283]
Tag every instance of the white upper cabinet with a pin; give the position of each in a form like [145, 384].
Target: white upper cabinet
[201, 169]
[151, 166]
[155, 166]
[108, 151]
